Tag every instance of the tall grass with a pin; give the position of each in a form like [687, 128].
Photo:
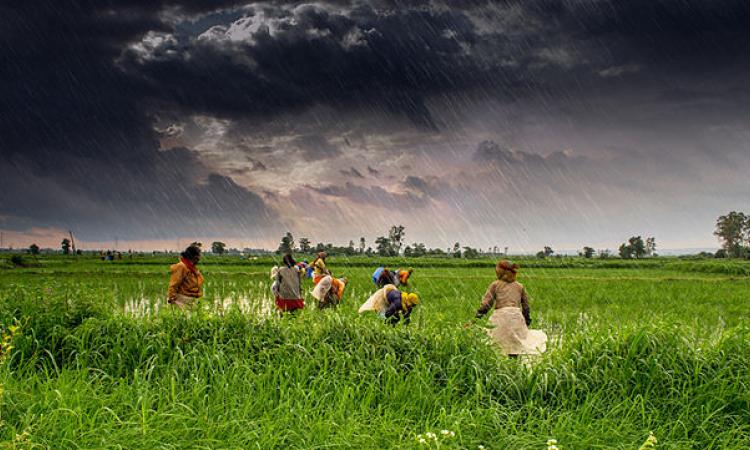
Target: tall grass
[85, 375]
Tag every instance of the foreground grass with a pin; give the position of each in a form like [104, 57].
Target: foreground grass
[630, 356]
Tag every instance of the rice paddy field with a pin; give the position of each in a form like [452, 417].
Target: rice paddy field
[93, 358]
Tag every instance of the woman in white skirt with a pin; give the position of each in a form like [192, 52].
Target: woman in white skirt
[510, 317]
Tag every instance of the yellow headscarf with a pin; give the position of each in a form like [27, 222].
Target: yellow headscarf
[408, 299]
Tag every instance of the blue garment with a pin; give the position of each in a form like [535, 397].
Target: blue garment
[381, 277]
[309, 272]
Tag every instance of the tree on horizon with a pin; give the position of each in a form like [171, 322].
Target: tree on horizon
[733, 230]
[65, 246]
[287, 244]
[304, 245]
[396, 236]
[218, 247]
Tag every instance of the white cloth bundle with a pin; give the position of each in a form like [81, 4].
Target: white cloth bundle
[511, 333]
[377, 301]
[322, 288]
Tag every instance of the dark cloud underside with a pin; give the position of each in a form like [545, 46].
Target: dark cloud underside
[168, 118]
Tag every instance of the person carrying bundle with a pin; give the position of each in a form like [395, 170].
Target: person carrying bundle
[511, 315]
[185, 281]
[391, 304]
[287, 286]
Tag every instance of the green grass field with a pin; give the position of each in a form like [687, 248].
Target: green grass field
[98, 361]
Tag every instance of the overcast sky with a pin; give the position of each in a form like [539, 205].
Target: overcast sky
[508, 123]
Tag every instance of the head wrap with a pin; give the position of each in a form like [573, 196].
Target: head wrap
[409, 300]
[505, 266]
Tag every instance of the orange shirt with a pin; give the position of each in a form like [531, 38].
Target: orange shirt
[183, 281]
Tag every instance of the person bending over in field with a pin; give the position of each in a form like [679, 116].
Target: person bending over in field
[329, 291]
[511, 316]
[391, 304]
[303, 267]
[186, 281]
[383, 276]
[287, 286]
[319, 267]
[403, 276]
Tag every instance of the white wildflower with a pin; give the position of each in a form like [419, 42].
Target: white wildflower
[431, 435]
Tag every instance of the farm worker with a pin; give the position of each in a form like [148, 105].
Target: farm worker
[377, 301]
[391, 304]
[287, 286]
[329, 291]
[510, 315]
[382, 276]
[186, 280]
[302, 266]
[319, 267]
[403, 276]
[274, 271]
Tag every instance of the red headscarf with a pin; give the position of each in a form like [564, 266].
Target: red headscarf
[505, 266]
[189, 264]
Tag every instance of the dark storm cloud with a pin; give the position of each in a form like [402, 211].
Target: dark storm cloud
[667, 30]
[352, 172]
[84, 85]
[78, 144]
[279, 57]
[531, 175]
[430, 187]
[315, 147]
[175, 196]
[371, 195]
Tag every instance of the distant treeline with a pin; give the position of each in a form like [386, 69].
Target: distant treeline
[259, 264]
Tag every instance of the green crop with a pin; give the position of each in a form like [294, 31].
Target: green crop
[636, 350]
